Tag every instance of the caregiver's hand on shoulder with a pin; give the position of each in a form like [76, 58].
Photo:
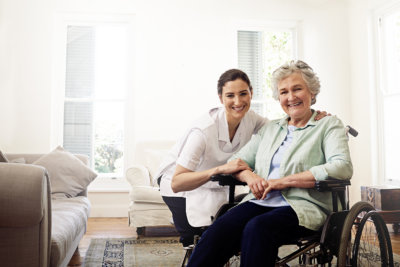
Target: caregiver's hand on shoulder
[256, 183]
[321, 115]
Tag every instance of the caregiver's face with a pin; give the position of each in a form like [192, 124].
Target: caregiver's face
[236, 97]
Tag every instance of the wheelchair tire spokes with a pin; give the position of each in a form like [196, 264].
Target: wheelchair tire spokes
[349, 231]
[363, 226]
[372, 233]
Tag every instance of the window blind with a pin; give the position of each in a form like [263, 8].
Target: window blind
[79, 88]
[250, 58]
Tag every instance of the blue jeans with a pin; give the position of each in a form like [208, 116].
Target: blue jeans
[256, 231]
[177, 206]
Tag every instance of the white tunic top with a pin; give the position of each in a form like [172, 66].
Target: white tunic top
[204, 146]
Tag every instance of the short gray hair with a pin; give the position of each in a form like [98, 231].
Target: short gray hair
[309, 77]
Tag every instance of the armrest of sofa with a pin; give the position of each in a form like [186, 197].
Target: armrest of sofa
[24, 195]
[138, 175]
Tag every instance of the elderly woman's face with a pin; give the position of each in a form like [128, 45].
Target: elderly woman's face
[295, 97]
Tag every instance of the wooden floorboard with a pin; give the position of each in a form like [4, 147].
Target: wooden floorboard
[102, 228]
[119, 228]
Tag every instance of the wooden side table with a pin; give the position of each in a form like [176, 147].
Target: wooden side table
[386, 200]
[393, 217]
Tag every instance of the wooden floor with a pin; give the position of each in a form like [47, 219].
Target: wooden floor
[118, 227]
[98, 228]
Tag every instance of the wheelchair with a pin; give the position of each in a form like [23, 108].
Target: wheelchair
[350, 237]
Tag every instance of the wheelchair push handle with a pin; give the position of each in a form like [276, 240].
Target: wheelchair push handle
[351, 131]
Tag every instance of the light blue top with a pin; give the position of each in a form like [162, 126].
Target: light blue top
[320, 147]
[275, 198]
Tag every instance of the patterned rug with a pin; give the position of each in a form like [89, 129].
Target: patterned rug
[132, 252]
[371, 259]
[156, 251]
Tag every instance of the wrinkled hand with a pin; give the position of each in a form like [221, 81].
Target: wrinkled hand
[321, 114]
[234, 166]
[256, 183]
[273, 184]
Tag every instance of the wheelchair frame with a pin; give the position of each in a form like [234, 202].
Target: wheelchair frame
[340, 237]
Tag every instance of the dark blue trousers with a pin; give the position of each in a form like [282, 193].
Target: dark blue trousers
[256, 231]
[177, 206]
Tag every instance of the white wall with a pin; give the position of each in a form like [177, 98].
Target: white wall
[181, 49]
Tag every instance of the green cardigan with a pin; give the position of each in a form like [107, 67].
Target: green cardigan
[320, 147]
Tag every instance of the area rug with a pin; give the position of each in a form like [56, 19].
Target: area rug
[154, 252]
[372, 258]
[132, 252]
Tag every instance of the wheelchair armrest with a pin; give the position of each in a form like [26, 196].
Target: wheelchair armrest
[331, 184]
[228, 180]
[338, 189]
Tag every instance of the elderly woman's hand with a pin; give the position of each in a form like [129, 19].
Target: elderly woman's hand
[301, 180]
[273, 184]
[256, 183]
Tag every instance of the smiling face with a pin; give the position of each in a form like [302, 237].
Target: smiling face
[295, 99]
[236, 97]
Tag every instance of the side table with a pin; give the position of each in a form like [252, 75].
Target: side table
[386, 200]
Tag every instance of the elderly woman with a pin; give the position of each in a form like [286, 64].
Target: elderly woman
[287, 156]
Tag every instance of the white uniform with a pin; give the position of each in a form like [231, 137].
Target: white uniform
[204, 146]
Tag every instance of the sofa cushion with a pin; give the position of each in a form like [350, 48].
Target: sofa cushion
[69, 217]
[68, 175]
[3, 158]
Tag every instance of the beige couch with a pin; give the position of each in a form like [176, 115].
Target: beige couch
[36, 230]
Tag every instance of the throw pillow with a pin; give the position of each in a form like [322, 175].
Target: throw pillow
[68, 175]
[3, 157]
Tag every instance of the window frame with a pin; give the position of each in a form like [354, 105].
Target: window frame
[379, 93]
[272, 25]
[62, 20]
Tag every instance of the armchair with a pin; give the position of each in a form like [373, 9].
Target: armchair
[147, 208]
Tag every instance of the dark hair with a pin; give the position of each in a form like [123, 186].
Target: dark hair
[232, 75]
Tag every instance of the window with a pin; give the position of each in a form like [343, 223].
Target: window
[388, 94]
[259, 54]
[94, 101]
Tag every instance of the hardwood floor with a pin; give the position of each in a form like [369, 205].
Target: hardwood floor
[101, 227]
[118, 227]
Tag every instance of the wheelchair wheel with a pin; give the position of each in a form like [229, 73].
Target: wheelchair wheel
[364, 235]
[372, 242]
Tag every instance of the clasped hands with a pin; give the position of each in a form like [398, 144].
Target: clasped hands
[258, 185]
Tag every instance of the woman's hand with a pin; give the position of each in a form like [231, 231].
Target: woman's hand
[256, 183]
[273, 184]
[301, 180]
[321, 115]
[233, 166]
[186, 180]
